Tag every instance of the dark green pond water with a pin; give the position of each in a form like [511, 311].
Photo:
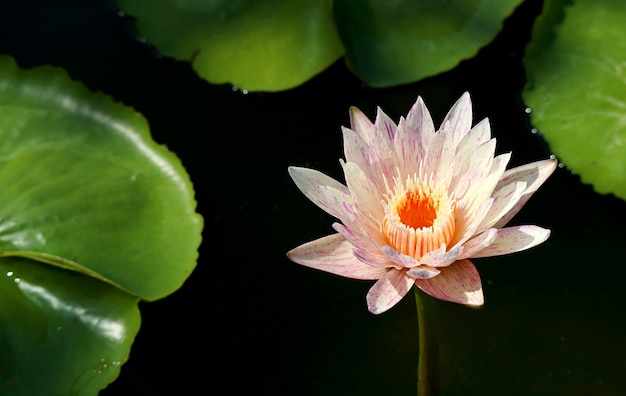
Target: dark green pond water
[250, 322]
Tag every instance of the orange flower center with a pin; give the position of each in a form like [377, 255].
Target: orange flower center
[419, 217]
[416, 210]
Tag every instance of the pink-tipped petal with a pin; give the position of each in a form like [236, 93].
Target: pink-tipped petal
[334, 254]
[366, 195]
[440, 257]
[473, 164]
[322, 190]
[534, 174]
[423, 272]
[385, 126]
[514, 239]
[360, 124]
[504, 200]
[478, 243]
[399, 258]
[374, 259]
[365, 249]
[459, 283]
[459, 119]
[439, 159]
[407, 148]
[420, 123]
[355, 148]
[388, 291]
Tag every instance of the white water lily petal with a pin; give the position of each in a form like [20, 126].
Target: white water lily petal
[366, 195]
[534, 174]
[514, 239]
[439, 160]
[382, 155]
[459, 283]
[418, 204]
[478, 243]
[374, 259]
[388, 291]
[441, 258]
[323, 191]
[385, 127]
[365, 249]
[334, 254]
[407, 148]
[482, 189]
[423, 272]
[399, 258]
[504, 200]
[356, 148]
[473, 164]
[360, 124]
[467, 222]
[352, 237]
[418, 121]
[459, 119]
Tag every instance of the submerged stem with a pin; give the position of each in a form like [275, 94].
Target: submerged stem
[428, 362]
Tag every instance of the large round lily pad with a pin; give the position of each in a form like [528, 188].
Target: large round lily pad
[257, 45]
[94, 216]
[577, 88]
[83, 183]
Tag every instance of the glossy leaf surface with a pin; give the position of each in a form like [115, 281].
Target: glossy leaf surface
[577, 90]
[397, 42]
[266, 45]
[85, 186]
[61, 333]
[94, 216]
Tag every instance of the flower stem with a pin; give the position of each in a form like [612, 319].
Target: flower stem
[428, 362]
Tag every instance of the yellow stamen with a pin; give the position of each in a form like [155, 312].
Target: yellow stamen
[419, 217]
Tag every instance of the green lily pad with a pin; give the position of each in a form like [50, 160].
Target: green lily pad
[94, 216]
[262, 45]
[577, 90]
[397, 42]
[61, 333]
[85, 187]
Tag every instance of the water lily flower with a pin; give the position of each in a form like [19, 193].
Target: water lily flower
[418, 204]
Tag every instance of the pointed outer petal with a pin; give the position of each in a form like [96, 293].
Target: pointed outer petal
[441, 258]
[423, 272]
[382, 156]
[459, 283]
[388, 291]
[459, 119]
[355, 148]
[322, 190]
[479, 191]
[399, 258]
[370, 257]
[439, 160]
[362, 225]
[347, 234]
[365, 194]
[420, 124]
[504, 200]
[360, 124]
[478, 243]
[334, 254]
[514, 239]
[364, 249]
[473, 162]
[467, 223]
[408, 149]
[534, 174]
[385, 125]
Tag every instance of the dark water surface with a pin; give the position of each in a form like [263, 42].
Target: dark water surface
[250, 322]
